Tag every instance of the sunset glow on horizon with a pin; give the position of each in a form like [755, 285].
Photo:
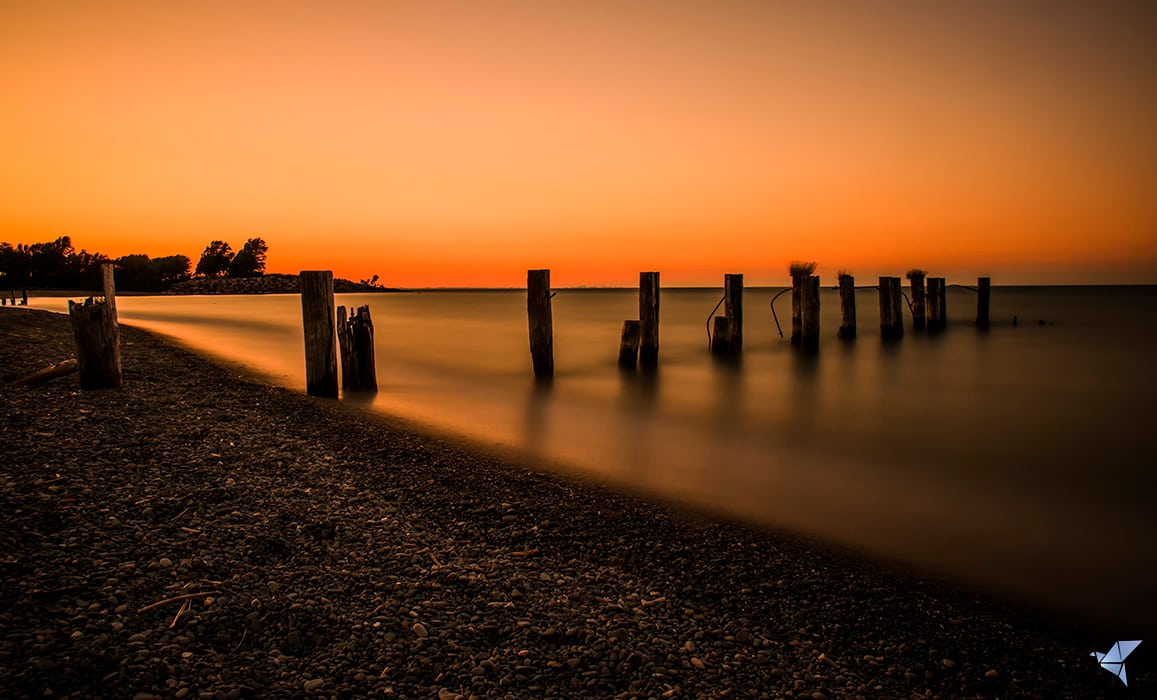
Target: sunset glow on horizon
[439, 144]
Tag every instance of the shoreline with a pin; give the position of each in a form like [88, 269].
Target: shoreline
[348, 555]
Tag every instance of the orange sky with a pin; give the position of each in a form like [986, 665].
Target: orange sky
[458, 144]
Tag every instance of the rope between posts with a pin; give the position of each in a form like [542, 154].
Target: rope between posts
[712, 315]
[773, 314]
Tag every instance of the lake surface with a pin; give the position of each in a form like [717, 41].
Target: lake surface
[1018, 460]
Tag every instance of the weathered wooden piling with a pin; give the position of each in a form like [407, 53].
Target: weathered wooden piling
[317, 316]
[983, 296]
[355, 336]
[721, 337]
[648, 319]
[24, 297]
[96, 335]
[796, 309]
[847, 329]
[919, 315]
[541, 325]
[936, 304]
[733, 309]
[891, 311]
[810, 312]
[629, 344]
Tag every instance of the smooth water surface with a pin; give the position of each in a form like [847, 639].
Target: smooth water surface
[1017, 459]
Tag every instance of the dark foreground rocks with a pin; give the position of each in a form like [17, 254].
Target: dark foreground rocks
[197, 535]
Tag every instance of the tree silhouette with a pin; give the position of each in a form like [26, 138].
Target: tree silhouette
[250, 260]
[215, 259]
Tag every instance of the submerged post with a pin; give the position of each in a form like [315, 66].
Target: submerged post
[811, 314]
[847, 329]
[733, 309]
[97, 337]
[916, 280]
[541, 325]
[317, 316]
[897, 307]
[935, 304]
[629, 344]
[648, 319]
[983, 295]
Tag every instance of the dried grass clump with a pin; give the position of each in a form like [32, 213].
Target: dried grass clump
[800, 268]
[843, 273]
[916, 273]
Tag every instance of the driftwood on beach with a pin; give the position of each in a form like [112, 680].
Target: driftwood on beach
[50, 372]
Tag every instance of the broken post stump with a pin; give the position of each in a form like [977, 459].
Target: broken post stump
[810, 313]
[541, 325]
[721, 337]
[629, 344]
[317, 316]
[733, 309]
[648, 319]
[96, 335]
[919, 315]
[24, 297]
[355, 336]
[847, 329]
[983, 296]
[936, 305]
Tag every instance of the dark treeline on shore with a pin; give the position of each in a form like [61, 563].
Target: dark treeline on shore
[58, 265]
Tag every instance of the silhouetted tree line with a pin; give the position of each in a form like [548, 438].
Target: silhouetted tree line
[218, 259]
[57, 265]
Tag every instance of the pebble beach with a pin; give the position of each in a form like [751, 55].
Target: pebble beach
[199, 534]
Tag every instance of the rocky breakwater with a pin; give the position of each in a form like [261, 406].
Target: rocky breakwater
[265, 284]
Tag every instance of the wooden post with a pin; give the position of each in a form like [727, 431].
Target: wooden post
[541, 324]
[886, 322]
[363, 327]
[721, 337]
[811, 314]
[345, 343]
[317, 316]
[897, 307]
[916, 279]
[97, 337]
[847, 308]
[629, 344]
[935, 304]
[796, 309]
[12, 294]
[983, 296]
[733, 309]
[648, 319]
[24, 293]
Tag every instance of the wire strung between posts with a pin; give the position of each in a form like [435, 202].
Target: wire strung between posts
[712, 315]
[964, 286]
[774, 316]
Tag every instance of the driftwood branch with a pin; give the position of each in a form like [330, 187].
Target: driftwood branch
[175, 599]
[50, 372]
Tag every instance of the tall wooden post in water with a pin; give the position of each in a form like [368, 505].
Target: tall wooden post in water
[317, 320]
[916, 280]
[847, 329]
[541, 324]
[648, 319]
[983, 295]
[96, 334]
[810, 341]
[733, 308]
[936, 304]
[891, 311]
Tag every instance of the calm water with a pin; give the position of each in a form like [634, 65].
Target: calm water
[1018, 460]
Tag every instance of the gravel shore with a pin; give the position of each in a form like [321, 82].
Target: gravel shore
[199, 535]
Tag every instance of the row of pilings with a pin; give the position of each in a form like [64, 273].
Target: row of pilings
[639, 341]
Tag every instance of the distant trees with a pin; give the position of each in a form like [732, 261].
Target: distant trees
[54, 264]
[250, 260]
[140, 273]
[219, 259]
[215, 259]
